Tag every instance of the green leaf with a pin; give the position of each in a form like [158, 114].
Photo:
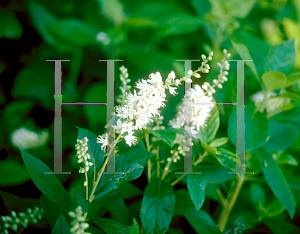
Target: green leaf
[276, 181]
[274, 80]
[157, 207]
[219, 142]
[199, 219]
[248, 220]
[290, 95]
[51, 209]
[81, 201]
[201, 6]
[196, 184]
[274, 208]
[169, 138]
[61, 225]
[286, 158]
[30, 84]
[41, 18]
[136, 154]
[10, 27]
[214, 172]
[293, 78]
[179, 24]
[135, 228]
[209, 148]
[281, 136]
[112, 181]
[278, 226]
[73, 31]
[111, 226]
[245, 54]
[119, 211]
[47, 183]
[289, 117]
[226, 158]
[124, 191]
[281, 57]
[8, 177]
[208, 133]
[254, 136]
[257, 195]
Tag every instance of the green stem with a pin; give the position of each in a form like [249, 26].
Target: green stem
[176, 181]
[166, 170]
[101, 171]
[149, 160]
[228, 206]
[158, 163]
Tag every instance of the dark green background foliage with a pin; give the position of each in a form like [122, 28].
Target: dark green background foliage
[150, 36]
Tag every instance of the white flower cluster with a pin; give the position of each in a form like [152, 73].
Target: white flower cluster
[82, 154]
[12, 222]
[140, 107]
[192, 115]
[27, 139]
[192, 110]
[78, 225]
[125, 84]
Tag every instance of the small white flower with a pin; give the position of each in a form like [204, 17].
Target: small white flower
[172, 90]
[103, 141]
[130, 139]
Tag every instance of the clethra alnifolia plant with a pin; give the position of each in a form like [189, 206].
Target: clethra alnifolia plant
[141, 140]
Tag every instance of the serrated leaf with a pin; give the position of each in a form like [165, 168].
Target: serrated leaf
[208, 133]
[254, 136]
[61, 225]
[226, 158]
[136, 154]
[8, 177]
[112, 181]
[157, 207]
[276, 181]
[281, 57]
[124, 191]
[169, 138]
[196, 184]
[214, 172]
[47, 183]
[111, 226]
[199, 219]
